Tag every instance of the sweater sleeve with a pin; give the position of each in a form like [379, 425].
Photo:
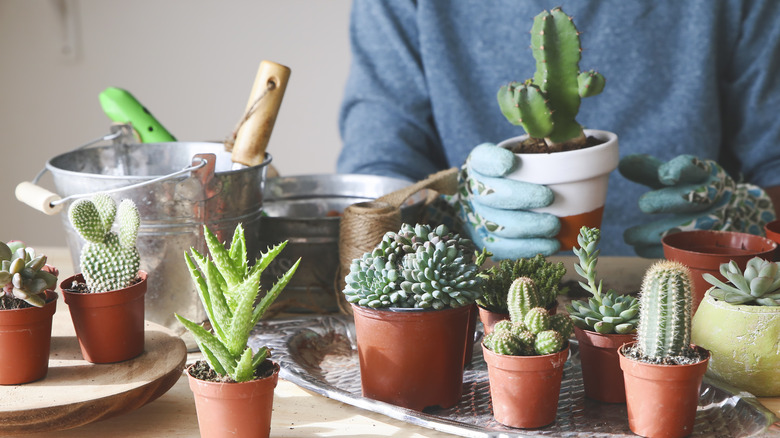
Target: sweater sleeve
[386, 121]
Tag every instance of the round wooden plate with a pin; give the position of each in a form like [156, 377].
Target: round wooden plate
[76, 392]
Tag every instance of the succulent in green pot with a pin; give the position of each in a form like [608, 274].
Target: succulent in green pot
[546, 276]
[759, 284]
[604, 312]
[24, 276]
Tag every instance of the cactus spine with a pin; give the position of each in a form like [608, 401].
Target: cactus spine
[665, 311]
[547, 105]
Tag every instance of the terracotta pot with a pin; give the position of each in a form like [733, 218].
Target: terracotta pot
[704, 251]
[524, 390]
[234, 409]
[109, 325]
[743, 341]
[412, 358]
[490, 318]
[601, 373]
[772, 230]
[25, 338]
[662, 399]
[577, 178]
[471, 331]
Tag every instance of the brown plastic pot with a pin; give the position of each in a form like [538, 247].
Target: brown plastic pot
[234, 409]
[601, 373]
[109, 325]
[772, 230]
[703, 252]
[470, 333]
[524, 390]
[25, 338]
[412, 358]
[662, 399]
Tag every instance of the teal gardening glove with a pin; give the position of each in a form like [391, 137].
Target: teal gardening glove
[697, 195]
[494, 209]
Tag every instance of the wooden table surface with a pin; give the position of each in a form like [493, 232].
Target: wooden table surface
[297, 413]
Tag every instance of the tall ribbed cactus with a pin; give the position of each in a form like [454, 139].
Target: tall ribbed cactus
[523, 296]
[665, 310]
[547, 105]
[109, 260]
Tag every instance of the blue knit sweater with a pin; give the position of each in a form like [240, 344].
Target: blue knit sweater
[694, 76]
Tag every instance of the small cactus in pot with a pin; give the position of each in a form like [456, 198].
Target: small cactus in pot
[24, 276]
[498, 279]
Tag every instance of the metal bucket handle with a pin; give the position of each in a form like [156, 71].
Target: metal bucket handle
[51, 203]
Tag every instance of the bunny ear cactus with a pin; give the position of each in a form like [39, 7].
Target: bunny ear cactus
[109, 261]
[759, 284]
[547, 105]
[23, 274]
[228, 289]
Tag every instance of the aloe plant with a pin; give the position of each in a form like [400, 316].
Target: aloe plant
[228, 288]
[759, 284]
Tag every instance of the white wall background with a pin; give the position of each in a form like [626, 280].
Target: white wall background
[190, 62]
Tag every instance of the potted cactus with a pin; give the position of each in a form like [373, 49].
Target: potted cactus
[662, 369]
[27, 305]
[411, 298]
[557, 152]
[739, 322]
[233, 386]
[497, 279]
[525, 356]
[106, 300]
[602, 324]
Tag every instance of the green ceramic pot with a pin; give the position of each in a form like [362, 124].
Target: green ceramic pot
[745, 344]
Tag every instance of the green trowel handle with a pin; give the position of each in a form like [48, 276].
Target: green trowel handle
[120, 106]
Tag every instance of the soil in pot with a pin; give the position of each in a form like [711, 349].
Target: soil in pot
[25, 340]
[601, 373]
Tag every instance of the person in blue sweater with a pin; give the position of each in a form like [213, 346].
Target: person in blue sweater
[697, 81]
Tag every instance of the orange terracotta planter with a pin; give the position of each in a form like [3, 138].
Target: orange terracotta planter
[601, 373]
[25, 339]
[109, 325]
[662, 399]
[234, 409]
[524, 390]
[772, 230]
[470, 332]
[412, 358]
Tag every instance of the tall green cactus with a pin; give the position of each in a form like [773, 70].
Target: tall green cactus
[523, 296]
[547, 105]
[109, 260]
[665, 310]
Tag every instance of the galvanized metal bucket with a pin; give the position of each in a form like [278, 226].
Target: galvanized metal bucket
[178, 187]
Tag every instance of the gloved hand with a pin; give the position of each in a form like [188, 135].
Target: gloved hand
[494, 208]
[697, 194]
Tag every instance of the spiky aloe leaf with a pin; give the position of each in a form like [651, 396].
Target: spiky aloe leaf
[244, 370]
[226, 362]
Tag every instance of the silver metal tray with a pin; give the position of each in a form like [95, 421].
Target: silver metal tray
[320, 354]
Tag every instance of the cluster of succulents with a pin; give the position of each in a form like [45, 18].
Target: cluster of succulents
[417, 267]
[23, 274]
[547, 104]
[604, 312]
[498, 278]
[759, 284]
[531, 330]
[109, 260]
[228, 289]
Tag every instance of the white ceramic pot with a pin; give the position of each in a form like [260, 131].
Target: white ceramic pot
[577, 178]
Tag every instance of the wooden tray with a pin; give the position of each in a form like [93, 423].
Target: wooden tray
[76, 392]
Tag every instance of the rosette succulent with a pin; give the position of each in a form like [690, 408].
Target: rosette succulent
[23, 274]
[604, 312]
[498, 279]
[417, 267]
[759, 284]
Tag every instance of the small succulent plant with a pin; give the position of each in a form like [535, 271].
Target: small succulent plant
[228, 288]
[417, 267]
[759, 284]
[109, 260]
[547, 104]
[666, 303]
[24, 275]
[604, 312]
[530, 331]
[498, 278]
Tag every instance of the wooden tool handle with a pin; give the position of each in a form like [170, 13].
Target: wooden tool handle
[38, 198]
[264, 102]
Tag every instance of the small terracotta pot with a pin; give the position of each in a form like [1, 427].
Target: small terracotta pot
[662, 399]
[25, 338]
[109, 325]
[601, 373]
[470, 333]
[524, 390]
[704, 251]
[772, 230]
[490, 318]
[234, 409]
[412, 358]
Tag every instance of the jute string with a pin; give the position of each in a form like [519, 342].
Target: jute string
[363, 225]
